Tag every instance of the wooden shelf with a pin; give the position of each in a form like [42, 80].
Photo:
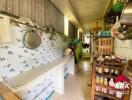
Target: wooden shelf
[112, 88]
[104, 37]
[107, 95]
[93, 81]
[113, 67]
[108, 76]
[114, 64]
[110, 65]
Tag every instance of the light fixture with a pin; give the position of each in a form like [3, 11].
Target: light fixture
[66, 25]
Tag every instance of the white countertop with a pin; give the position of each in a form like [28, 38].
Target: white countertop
[28, 76]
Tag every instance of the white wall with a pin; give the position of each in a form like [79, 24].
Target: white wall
[86, 39]
[15, 58]
[123, 48]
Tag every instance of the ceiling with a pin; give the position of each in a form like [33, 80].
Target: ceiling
[83, 12]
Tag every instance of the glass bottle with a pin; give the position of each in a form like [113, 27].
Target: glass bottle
[97, 80]
[116, 72]
[111, 83]
[101, 80]
[105, 81]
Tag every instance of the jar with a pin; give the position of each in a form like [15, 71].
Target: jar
[107, 58]
[118, 60]
[97, 79]
[111, 83]
[106, 70]
[112, 71]
[119, 94]
[111, 91]
[104, 89]
[101, 80]
[105, 82]
[100, 70]
[98, 88]
[96, 68]
[116, 72]
[113, 57]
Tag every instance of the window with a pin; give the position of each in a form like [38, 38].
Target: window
[66, 26]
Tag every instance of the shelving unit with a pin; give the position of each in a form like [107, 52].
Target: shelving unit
[108, 96]
[105, 45]
[110, 65]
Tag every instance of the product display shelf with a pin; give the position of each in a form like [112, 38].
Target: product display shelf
[93, 81]
[108, 87]
[110, 65]
[114, 64]
[113, 67]
[107, 95]
[106, 75]
[105, 45]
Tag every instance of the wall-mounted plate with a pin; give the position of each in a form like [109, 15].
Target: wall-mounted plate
[32, 40]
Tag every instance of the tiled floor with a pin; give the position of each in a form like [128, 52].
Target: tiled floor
[76, 87]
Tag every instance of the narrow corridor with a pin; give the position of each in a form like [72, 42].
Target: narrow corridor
[77, 87]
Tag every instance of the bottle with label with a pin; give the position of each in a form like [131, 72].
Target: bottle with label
[98, 88]
[101, 80]
[104, 89]
[112, 72]
[100, 70]
[116, 72]
[97, 80]
[105, 82]
[111, 91]
[111, 83]
[106, 71]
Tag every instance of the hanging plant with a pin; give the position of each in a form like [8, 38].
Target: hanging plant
[118, 6]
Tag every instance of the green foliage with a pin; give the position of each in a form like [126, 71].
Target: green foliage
[118, 6]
